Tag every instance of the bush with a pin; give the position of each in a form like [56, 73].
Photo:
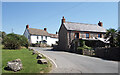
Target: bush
[82, 47]
[80, 50]
[23, 41]
[15, 41]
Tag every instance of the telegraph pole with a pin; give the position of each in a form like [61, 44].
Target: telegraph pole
[12, 30]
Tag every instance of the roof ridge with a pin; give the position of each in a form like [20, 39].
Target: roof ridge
[43, 30]
[35, 28]
[81, 23]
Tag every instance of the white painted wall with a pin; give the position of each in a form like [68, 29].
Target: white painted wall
[51, 41]
[33, 38]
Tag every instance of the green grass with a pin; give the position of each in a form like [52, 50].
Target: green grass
[29, 61]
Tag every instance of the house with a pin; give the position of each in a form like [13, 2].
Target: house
[40, 36]
[71, 30]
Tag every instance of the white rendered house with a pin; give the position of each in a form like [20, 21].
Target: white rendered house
[40, 36]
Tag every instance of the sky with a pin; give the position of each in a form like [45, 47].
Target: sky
[40, 15]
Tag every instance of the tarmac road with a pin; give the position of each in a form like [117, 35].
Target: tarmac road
[65, 62]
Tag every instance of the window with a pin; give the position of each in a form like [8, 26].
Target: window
[37, 37]
[46, 37]
[37, 41]
[76, 35]
[40, 42]
[87, 35]
[41, 37]
[99, 35]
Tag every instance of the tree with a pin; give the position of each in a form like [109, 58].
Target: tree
[112, 35]
[2, 35]
[118, 38]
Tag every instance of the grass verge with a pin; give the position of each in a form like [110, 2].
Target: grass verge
[29, 61]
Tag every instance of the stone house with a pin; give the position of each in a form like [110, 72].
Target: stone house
[71, 30]
[40, 36]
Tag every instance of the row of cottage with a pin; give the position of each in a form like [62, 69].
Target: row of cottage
[68, 31]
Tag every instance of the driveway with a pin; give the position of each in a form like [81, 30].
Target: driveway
[65, 62]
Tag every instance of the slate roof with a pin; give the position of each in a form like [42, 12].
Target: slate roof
[34, 31]
[84, 27]
[54, 35]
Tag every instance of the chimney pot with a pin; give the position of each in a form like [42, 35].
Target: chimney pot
[63, 20]
[56, 32]
[100, 24]
[27, 26]
[45, 29]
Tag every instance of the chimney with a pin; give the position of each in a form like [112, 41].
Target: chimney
[56, 32]
[100, 24]
[63, 20]
[45, 29]
[27, 26]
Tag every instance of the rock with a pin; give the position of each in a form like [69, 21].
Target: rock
[42, 61]
[15, 65]
[30, 49]
[39, 56]
[34, 52]
[17, 60]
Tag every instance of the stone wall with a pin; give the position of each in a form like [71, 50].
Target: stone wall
[63, 39]
[88, 52]
[108, 53]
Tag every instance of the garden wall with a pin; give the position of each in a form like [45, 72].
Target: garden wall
[108, 53]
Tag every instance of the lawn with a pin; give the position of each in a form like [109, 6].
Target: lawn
[29, 61]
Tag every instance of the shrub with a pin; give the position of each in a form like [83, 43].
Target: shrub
[118, 39]
[23, 41]
[86, 47]
[14, 41]
[80, 50]
[11, 43]
[82, 47]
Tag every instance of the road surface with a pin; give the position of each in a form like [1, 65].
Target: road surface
[65, 62]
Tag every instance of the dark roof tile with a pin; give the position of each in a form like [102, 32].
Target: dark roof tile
[84, 27]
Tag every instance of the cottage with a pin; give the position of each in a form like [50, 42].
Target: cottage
[71, 30]
[40, 36]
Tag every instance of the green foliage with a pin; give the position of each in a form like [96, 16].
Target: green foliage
[10, 42]
[23, 41]
[82, 43]
[2, 36]
[14, 41]
[86, 47]
[112, 35]
[118, 38]
[82, 46]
